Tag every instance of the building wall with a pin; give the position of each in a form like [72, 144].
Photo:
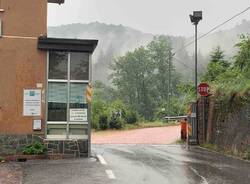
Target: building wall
[24, 17]
[22, 65]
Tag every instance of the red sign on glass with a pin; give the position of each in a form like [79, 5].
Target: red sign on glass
[203, 89]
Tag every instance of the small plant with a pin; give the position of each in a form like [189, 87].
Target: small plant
[35, 148]
[246, 154]
[1, 159]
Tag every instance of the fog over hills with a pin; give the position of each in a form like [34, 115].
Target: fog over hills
[116, 40]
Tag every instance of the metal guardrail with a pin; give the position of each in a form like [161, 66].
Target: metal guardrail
[174, 117]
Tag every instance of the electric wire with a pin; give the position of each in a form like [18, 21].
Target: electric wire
[213, 29]
[179, 61]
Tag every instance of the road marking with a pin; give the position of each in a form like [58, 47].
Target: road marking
[101, 159]
[202, 177]
[110, 174]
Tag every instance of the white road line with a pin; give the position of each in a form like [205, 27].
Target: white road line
[202, 177]
[101, 159]
[110, 174]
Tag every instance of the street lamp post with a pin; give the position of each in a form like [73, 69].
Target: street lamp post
[195, 19]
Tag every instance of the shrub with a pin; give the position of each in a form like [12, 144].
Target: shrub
[103, 122]
[116, 122]
[131, 117]
[35, 148]
[98, 107]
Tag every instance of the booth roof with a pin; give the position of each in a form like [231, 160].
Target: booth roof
[70, 45]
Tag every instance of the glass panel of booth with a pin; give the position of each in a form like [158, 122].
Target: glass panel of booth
[67, 109]
[57, 101]
[58, 65]
[79, 66]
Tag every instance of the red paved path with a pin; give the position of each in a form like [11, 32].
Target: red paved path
[160, 135]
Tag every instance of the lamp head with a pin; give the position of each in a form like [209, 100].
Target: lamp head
[196, 17]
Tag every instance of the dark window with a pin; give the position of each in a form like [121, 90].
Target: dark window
[79, 66]
[57, 102]
[58, 65]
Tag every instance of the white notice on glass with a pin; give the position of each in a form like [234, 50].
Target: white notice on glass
[32, 102]
[78, 115]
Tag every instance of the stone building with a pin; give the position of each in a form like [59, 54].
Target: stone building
[42, 81]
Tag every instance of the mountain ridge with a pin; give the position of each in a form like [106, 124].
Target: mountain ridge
[116, 40]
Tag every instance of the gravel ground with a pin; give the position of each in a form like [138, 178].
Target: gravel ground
[159, 135]
[10, 173]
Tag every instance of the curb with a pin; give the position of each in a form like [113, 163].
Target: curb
[226, 155]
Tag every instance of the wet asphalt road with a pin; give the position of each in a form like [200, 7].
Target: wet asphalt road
[69, 171]
[171, 164]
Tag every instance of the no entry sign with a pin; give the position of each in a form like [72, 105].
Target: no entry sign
[203, 89]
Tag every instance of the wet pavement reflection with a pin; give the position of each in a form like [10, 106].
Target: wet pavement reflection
[175, 164]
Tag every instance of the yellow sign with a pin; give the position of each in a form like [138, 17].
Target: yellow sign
[89, 93]
[189, 129]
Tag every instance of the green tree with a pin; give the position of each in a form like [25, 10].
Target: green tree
[142, 77]
[160, 50]
[242, 59]
[216, 66]
[132, 75]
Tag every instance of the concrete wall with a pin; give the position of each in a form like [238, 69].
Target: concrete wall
[22, 65]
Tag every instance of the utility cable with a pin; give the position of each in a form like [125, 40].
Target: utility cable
[213, 29]
[179, 61]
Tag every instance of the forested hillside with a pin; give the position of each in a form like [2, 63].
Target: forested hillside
[116, 40]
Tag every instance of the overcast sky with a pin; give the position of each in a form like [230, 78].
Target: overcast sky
[151, 16]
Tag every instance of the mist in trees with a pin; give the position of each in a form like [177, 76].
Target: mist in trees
[230, 78]
[142, 80]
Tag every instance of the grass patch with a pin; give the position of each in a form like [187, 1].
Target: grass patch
[180, 142]
[210, 146]
[243, 155]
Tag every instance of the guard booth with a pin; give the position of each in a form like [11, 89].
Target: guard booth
[69, 72]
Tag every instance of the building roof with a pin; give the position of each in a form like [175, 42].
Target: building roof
[56, 1]
[70, 45]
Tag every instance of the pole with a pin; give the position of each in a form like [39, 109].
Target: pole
[169, 83]
[196, 81]
[89, 108]
[196, 85]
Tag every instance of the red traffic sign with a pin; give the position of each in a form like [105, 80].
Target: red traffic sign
[203, 89]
